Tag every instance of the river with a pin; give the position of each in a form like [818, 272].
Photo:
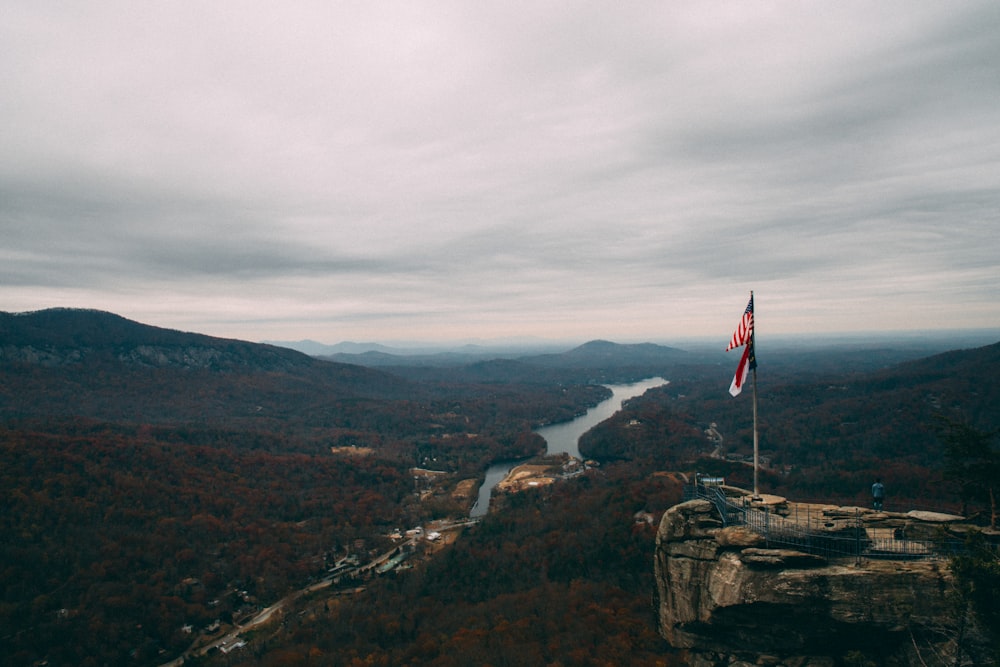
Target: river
[565, 436]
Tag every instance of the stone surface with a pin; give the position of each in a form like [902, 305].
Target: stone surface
[938, 517]
[738, 536]
[725, 598]
[781, 558]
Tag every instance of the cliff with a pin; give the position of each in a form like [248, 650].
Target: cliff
[728, 600]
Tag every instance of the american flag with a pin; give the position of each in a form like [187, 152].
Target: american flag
[744, 332]
[743, 336]
[747, 361]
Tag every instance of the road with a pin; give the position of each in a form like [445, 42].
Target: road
[264, 615]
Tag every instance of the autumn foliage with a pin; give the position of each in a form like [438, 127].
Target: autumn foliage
[157, 484]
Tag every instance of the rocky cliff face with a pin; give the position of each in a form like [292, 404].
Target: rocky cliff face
[728, 600]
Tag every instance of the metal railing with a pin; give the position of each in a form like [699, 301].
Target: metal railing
[814, 533]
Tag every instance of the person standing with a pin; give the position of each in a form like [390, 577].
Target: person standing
[878, 494]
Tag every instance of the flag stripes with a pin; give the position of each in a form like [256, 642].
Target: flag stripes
[743, 336]
[744, 332]
[741, 372]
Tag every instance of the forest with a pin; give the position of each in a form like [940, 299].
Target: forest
[161, 487]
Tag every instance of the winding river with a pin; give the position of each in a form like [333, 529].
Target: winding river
[565, 436]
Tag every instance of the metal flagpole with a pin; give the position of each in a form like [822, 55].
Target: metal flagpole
[756, 494]
[745, 336]
[753, 361]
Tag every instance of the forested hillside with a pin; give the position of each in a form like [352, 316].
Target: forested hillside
[821, 437]
[562, 574]
[158, 483]
[152, 477]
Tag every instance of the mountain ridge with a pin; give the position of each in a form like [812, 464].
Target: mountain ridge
[100, 365]
[147, 496]
[68, 335]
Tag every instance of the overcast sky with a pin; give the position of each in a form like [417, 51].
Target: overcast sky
[379, 171]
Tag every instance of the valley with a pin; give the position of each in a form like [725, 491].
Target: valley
[159, 483]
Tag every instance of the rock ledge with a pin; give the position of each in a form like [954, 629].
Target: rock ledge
[725, 597]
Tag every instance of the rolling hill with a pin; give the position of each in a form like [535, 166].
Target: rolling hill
[158, 482]
[597, 361]
[98, 365]
[824, 436]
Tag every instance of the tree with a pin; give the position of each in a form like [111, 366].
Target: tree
[977, 577]
[971, 460]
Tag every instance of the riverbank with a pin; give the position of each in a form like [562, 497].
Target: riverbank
[542, 473]
[560, 439]
[526, 476]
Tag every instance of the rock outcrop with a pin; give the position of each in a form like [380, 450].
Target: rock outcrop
[728, 600]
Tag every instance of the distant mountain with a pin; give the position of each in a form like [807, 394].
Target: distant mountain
[101, 365]
[605, 354]
[376, 359]
[596, 362]
[976, 364]
[68, 335]
[431, 353]
[317, 349]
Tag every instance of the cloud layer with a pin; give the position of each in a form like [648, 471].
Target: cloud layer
[381, 171]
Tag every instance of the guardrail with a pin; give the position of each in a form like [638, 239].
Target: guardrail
[848, 538]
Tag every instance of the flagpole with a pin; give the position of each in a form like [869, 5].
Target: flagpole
[756, 450]
[756, 494]
[745, 336]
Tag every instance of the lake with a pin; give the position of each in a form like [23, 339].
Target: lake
[565, 436]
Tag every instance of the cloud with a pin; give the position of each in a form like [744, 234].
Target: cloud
[380, 171]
